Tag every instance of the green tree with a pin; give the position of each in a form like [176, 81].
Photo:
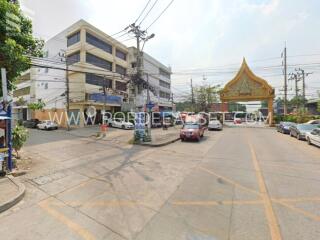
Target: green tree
[19, 137]
[205, 96]
[37, 105]
[297, 102]
[16, 41]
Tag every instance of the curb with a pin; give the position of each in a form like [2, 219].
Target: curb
[13, 201]
[159, 144]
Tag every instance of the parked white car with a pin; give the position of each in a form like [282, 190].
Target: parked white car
[47, 125]
[119, 123]
[313, 137]
[215, 125]
[315, 121]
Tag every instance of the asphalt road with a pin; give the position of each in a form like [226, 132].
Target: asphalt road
[241, 183]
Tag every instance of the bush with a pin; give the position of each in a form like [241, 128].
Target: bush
[301, 118]
[19, 137]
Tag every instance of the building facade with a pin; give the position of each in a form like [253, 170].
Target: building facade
[159, 78]
[97, 74]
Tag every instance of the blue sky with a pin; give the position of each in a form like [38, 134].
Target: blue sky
[205, 34]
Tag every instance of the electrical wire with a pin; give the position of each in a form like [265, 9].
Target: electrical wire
[148, 12]
[142, 11]
[160, 14]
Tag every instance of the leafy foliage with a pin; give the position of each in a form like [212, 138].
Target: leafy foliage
[37, 105]
[16, 41]
[204, 97]
[19, 137]
[21, 102]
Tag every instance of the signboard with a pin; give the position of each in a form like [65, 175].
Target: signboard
[100, 97]
[150, 105]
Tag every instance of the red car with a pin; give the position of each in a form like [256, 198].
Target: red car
[192, 131]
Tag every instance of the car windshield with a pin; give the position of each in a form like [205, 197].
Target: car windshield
[193, 126]
[288, 123]
[306, 127]
[214, 122]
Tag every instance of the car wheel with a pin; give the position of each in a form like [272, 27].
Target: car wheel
[308, 140]
[182, 139]
[45, 128]
[123, 127]
[290, 134]
[298, 137]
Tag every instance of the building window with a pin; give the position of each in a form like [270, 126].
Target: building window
[99, 62]
[121, 86]
[165, 95]
[164, 84]
[46, 70]
[98, 80]
[121, 70]
[74, 38]
[73, 58]
[46, 86]
[121, 55]
[164, 73]
[98, 43]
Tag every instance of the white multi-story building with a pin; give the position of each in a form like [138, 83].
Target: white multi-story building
[159, 79]
[95, 61]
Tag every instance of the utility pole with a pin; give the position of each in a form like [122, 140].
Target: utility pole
[294, 77]
[137, 81]
[104, 99]
[172, 103]
[285, 102]
[192, 95]
[148, 110]
[64, 57]
[67, 95]
[296, 84]
[303, 76]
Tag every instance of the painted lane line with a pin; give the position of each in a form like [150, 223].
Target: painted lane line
[270, 215]
[82, 232]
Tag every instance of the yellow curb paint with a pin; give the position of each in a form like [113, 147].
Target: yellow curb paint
[270, 215]
[82, 232]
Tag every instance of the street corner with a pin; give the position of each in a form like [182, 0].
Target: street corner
[12, 192]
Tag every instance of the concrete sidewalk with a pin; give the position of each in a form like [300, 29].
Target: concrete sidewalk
[12, 191]
[162, 137]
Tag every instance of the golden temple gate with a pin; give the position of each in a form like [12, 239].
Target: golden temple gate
[246, 86]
